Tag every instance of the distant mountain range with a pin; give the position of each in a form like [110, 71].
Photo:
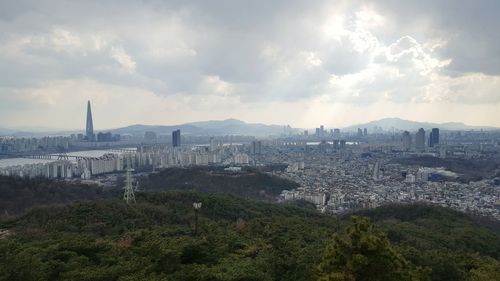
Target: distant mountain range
[208, 128]
[204, 128]
[238, 127]
[401, 124]
[34, 132]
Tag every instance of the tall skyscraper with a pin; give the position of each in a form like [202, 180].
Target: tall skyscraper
[420, 139]
[256, 147]
[176, 138]
[90, 124]
[434, 137]
[376, 171]
[406, 141]
[211, 146]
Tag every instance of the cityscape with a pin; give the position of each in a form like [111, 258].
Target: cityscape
[265, 140]
[337, 171]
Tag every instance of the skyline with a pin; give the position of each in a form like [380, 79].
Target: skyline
[283, 62]
[384, 123]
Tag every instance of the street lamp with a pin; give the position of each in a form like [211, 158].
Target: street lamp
[196, 206]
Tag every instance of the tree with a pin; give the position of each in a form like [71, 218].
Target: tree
[488, 269]
[363, 254]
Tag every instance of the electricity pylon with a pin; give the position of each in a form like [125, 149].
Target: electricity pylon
[128, 195]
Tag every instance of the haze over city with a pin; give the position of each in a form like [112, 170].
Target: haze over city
[301, 63]
[265, 140]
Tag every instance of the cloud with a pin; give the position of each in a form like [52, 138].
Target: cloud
[125, 61]
[248, 55]
[469, 27]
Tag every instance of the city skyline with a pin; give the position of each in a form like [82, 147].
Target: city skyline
[350, 128]
[297, 63]
[371, 124]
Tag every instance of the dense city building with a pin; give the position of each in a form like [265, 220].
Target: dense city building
[256, 147]
[406, 139]
[176, 138]
[434, 137]
[337, 172]
[420, 139]
[107, 137]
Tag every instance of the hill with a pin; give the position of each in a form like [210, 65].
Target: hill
[247, 184]
[20, 194]
[237, 239]
[202, 128]
[388, 124]
[207, 128]
[6, 131]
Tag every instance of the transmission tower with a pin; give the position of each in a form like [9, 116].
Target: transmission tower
[128, 195]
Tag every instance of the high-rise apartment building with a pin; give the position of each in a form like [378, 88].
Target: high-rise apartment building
[256, 147]
[376, 171]
[176, 138]
[406, 139]
[434, 137]
[420, 139]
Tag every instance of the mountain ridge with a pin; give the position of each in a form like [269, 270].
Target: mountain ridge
[212, 127]
[409, 125]
[232, 126]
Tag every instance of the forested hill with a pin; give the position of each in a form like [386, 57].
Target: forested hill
[250, 183]
[20, 194]
[241, 239]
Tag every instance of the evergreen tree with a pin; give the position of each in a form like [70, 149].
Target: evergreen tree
[363, 254]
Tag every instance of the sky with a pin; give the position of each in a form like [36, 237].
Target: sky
[302, 63]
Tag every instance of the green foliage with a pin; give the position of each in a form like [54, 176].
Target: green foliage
[20, 263]
[436, 228]
[20, 194]
[486, 269]
[240, 240]
[364, 254]
[247, 184]
[108, 240]
[449, 242]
